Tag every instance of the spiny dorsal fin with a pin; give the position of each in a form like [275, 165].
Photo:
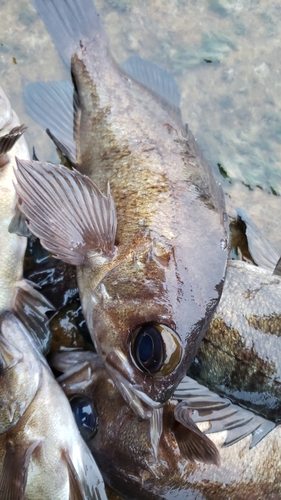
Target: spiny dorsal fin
[66, 211]
[206, 406]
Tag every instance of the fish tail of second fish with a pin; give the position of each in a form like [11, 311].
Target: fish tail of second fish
[30, 307]
[68, 21]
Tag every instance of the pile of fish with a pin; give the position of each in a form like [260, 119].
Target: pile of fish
[137, 211]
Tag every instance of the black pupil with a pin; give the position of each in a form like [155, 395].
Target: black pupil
[149, 349]
[85, 416]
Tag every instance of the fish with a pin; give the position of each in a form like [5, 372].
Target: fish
[151, 252]
[16, 293]
[240, 355]
[42, 454]
[249, 445]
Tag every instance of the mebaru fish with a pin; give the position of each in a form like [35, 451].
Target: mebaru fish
[240, 354]
[42, 454]
[120, 442]
[16, 293]
[151, 253]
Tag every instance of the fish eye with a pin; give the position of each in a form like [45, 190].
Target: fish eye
[155, 349]
[85, 415]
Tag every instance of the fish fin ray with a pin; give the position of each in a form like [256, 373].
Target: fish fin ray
[158, 81]
[18, 224]
[193, 443]
[75, 488]
[30, 307]
[14, 471]
[263, 252]
[207, 406]
[54, 105]
[66, 211]
[156, 428]
[68, 22]
[9, 140]
[90, 484]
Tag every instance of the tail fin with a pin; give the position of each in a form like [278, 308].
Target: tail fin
[69, 22]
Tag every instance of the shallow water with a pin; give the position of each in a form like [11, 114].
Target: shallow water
[225, 55]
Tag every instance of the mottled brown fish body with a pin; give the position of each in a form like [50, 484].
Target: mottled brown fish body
[240, 355]
[170, 263]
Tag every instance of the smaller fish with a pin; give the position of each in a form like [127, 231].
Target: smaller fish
[16, 293]
[42, 454]
[121, 443]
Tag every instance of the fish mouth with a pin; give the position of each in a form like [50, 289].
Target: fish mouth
[122, 374]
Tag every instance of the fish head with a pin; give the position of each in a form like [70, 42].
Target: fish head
[109, 426]
[20, 371]
[121, 442]
[6, 113]
[144, 322]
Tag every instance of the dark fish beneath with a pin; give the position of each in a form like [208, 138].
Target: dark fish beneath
[121, 443]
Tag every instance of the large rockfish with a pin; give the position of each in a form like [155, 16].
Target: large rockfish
[42, 455]
[151, 254]
[121, 443]
[16, 293]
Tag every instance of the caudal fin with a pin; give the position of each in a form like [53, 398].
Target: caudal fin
[69, 22]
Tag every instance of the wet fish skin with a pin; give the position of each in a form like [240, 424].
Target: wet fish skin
[16, 293]
[42, 454]
[122, 447]
[240, 354]
[12, 246]
[167, 205]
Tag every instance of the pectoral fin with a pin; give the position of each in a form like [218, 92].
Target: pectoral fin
[193, 444]
[206, 406]
[13, 476]
[66, 211]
